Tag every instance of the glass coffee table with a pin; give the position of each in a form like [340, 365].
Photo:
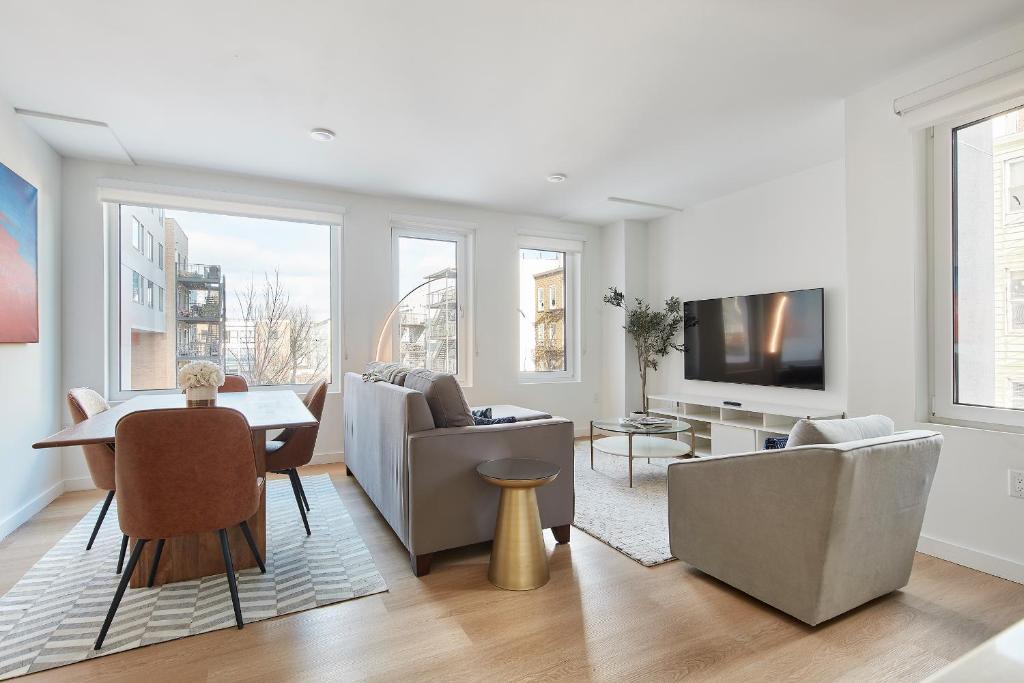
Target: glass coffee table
[641, 442]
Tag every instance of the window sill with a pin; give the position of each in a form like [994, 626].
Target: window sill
[527, 379]
[995, 427]
[298, 389]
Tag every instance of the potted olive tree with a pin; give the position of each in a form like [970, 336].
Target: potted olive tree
[653, 332]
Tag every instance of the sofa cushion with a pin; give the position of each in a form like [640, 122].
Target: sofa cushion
[521, 414]
[444, 396]
[807, 432]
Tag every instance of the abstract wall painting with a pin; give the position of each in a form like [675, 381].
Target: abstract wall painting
[19, 234]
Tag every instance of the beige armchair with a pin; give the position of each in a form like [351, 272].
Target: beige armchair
[814, 530]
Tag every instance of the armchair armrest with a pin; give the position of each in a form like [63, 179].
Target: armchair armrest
[451, 506]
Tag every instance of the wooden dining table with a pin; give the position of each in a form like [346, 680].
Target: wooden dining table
[193, 557]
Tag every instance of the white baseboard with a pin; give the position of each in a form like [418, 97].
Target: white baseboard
[30, 509]
[79, 484]
[324, 458]
[974, 559]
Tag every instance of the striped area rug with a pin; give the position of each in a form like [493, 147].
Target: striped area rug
[52, 616]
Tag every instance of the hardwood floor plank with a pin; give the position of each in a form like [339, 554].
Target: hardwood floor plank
[601, 617]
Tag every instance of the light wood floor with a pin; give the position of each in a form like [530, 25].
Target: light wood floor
[602, 617]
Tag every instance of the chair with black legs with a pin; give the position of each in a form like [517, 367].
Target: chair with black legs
[84, 403]
[167, 487]
[293, 448]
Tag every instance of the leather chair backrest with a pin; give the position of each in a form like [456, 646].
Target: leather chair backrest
[184, 471]
[234, 383]
[301, 441]
[99, 457]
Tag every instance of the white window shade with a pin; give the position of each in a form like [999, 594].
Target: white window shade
[988, 83]
[570, 245]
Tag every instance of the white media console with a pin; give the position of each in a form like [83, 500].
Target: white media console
[721, 429]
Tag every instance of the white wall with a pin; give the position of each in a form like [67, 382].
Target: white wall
[785, 234]
[367, 288]
[970, 517]
[30, 388]
[624, 266]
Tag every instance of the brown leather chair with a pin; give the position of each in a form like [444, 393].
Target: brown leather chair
[293, 448]
[233, 383]
[83, 404]
[184, 471]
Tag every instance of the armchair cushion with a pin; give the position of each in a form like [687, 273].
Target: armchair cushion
[444, 396]
[807, 432]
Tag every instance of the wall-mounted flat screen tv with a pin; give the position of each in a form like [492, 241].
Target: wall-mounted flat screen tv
[773, 339]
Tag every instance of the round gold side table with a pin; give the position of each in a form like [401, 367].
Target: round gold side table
[519, 561]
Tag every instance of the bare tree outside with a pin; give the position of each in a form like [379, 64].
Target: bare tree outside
[282, 343]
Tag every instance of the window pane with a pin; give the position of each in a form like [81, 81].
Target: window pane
[269, 279]
[428, 317]
[542, 310]
[988, 306]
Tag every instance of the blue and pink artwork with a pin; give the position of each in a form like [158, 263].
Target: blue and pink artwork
[19, 311]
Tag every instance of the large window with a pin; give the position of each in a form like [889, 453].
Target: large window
[979, 269]
[431, 322]
[269, 280]
[547, 323]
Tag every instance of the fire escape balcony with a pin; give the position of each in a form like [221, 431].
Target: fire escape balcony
[199, 275]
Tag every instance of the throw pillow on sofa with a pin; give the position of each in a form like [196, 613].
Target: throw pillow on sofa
[444, 396]
[808, 432]
[483, 416]
[380, 371]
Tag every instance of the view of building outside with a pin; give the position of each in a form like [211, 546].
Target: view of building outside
[989, 268]
[251, 295]
[428, 318]
[542, 310]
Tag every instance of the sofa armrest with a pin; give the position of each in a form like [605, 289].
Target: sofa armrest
[451, 506]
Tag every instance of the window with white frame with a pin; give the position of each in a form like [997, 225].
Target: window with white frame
[1015, 301]
[1016, 395]
[979, 269]
[136, 288]
[273, 278]
[138, 234]
[1015, 189]
[432, 283]
[548, 271]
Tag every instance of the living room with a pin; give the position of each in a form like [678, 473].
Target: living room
[396, 232]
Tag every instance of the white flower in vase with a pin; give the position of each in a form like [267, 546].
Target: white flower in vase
[200, 380]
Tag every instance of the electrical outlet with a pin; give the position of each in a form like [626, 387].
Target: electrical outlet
[1017, 483]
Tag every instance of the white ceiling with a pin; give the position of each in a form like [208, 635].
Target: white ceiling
[476, 101]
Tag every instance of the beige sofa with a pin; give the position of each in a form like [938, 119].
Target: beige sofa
[423, 479]
[813, 530]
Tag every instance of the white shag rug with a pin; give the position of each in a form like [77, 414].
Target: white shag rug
[634, 521]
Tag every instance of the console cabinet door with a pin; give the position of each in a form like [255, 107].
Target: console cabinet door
[726, 439]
